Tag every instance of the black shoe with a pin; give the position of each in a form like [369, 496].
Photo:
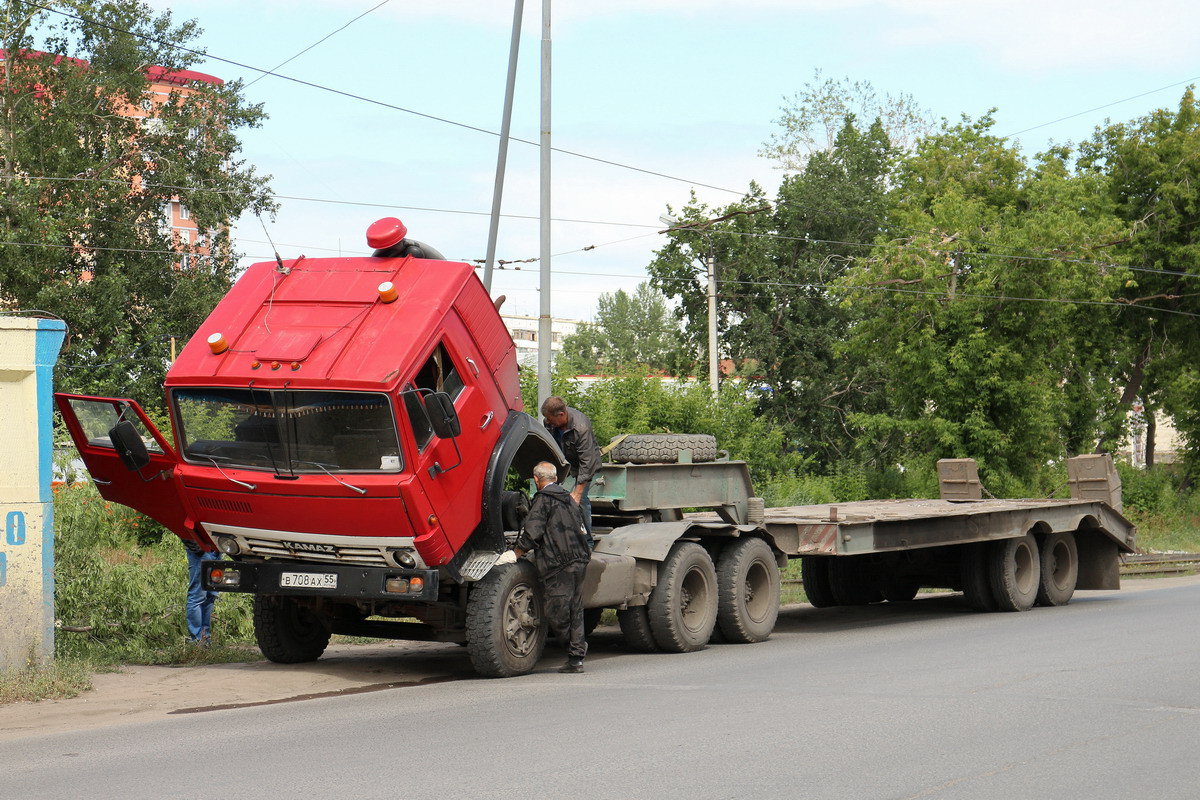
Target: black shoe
[572, 667]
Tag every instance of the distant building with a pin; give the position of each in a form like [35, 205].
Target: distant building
[524, 331]
[176, 219]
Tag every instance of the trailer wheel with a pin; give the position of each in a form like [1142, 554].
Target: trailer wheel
[747, 591]
[900, 590]
[1060, 569]
[664, 448]
[976, 577]
[814, 575]
[635, 627]
[683, 606]
[287, 632]
[506, 631]
[1016, 572]
[851, 582]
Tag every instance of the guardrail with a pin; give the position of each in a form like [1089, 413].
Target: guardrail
[1160, 563]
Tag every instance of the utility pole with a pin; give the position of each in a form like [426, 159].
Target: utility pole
[713, 360]
[502, 157]
[544, 333]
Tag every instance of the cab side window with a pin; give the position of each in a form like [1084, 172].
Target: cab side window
[437, 374]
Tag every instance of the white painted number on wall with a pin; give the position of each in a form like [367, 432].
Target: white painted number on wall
[14, 535]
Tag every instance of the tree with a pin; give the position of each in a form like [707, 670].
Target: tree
[775, 262]
[84, 185]
[814, 117]
[1152, 165]
[989, 322]
[630, 332]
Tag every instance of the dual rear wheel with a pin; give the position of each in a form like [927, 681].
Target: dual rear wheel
[1016, 574]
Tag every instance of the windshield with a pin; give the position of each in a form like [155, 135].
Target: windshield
[288, 431]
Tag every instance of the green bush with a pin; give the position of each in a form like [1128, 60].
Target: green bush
[128, 590]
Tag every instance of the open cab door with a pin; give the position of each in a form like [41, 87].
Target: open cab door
[130, 461]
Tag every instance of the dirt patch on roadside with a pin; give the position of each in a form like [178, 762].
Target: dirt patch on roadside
[140, 693]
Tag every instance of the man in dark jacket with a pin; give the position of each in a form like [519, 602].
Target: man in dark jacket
[572, 429]
[554, 534]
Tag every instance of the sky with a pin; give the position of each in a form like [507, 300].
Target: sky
[691, 89]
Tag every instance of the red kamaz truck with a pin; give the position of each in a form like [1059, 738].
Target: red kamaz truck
[349, 432]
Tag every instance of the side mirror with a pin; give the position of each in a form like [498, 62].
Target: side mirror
[129, 446]
[442, 416]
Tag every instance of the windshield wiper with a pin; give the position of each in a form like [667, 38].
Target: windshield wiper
[275, 422]
[321, 467]
[213, 459]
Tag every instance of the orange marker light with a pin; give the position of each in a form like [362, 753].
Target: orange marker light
[416, 585]
[255, 364]
[217, 344]
[295, 366]
[432, 520]
[387, 292]
[274, 365]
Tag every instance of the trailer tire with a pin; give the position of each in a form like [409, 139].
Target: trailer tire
[635, 627]
[976, 577]
[747, 591]
[286, 631]
[506, 631]
[814, 576]
[850, 580]
[683, 605]
[664, 448]
[1060, 569]
[1016, 572]
[900, 590]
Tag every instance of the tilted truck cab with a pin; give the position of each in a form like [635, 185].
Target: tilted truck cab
[306, 412]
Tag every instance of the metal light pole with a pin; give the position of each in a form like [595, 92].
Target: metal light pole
[502, 156]
[544, 333]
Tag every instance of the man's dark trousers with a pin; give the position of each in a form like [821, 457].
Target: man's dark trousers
[564, 607]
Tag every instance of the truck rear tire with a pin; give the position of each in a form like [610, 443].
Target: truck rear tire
[747, 591]
[664, 448]
[506, 631]
[1016, 572]
[976, 577]
[286, 631]
[814, 575]
[1060, 569]
[683, 606]
[635, 627]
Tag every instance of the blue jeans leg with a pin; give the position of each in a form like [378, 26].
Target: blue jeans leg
[199, 601]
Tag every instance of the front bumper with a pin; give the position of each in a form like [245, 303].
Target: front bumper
[299, 579]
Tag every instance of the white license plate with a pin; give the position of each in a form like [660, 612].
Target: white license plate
[308, 580]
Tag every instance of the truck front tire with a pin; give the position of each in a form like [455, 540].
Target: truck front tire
[506, 630]
[683, 606]
[748, 591]
[288, 632]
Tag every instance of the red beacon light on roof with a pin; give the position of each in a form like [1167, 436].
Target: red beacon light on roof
[385, 233]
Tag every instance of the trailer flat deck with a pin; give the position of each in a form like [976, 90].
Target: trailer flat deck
[879, 526]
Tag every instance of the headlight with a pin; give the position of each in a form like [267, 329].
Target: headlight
[228, 545]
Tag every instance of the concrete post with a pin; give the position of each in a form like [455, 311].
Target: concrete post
[28, 352]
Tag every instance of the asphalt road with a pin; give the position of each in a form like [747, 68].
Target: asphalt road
[1099, 699]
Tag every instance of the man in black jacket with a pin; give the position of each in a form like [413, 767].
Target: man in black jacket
[554, 534]
[572, 430]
